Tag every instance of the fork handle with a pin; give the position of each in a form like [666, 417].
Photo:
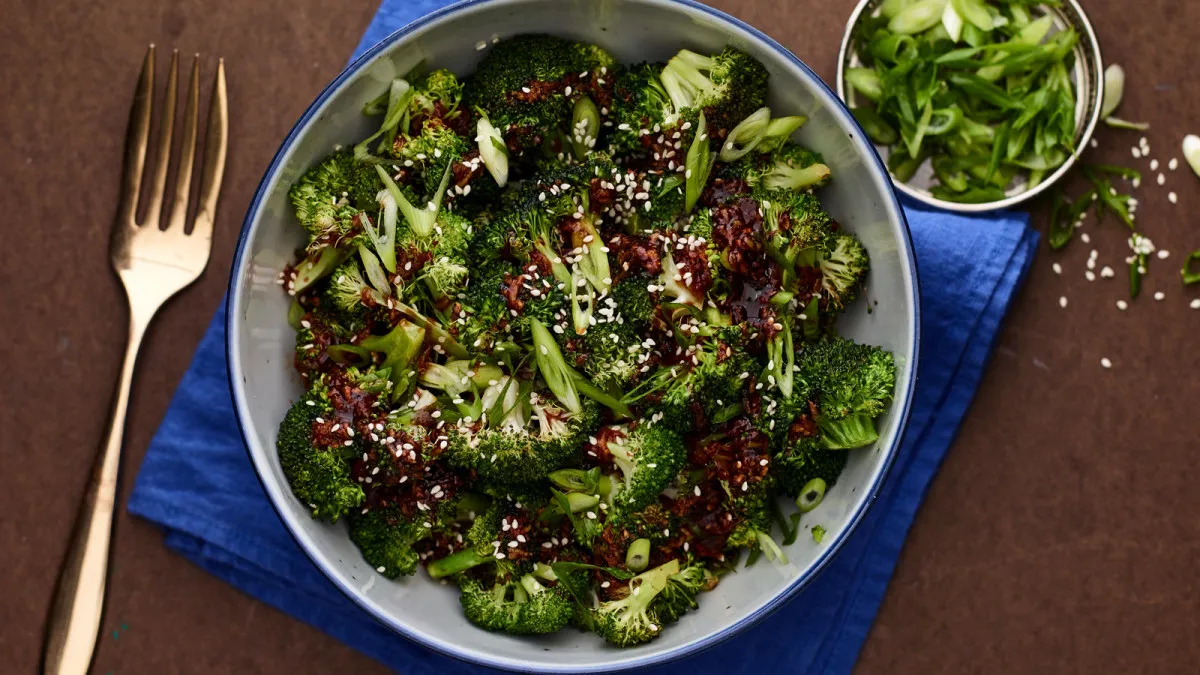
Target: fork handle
[79, 597]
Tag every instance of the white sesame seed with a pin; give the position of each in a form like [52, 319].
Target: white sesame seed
[1172, 197]
[1057, 269]
[1062, 301]
[381, 569]
[1154, 165]
[1163, 254]
[1090, 275]
[1173, 164]
[1105, 362]
[1122, 305]
[1162, 180]
[1107, 272]
[1159, 295]
[1195, 304]
[1137, 154]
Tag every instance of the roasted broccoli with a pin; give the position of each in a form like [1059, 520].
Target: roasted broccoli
[632, 619]
[853, 384]
[649, 457]
[386, 540]
[527, 85]
[726, 86]
[318, 473]
[567, 332]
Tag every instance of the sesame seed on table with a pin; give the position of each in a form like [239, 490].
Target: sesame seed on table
[1021, 559]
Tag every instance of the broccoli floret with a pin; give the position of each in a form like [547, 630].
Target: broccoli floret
[752, 509]
[803, 460]
[797, 230]
[436, 95]
[727, 86]
[522, 84]
[346, 290]
[711, 383]
[666, 205]
[635, 304]
[632, 619]
[791, 167]
[843, 267]
[521, 436]
[329, 195]
[853, 384]
[484, 312]
[611, 354]
[649, 457]
[679, 595]
[386, 539]
[525, 607]
[319, 476]
[639, 102]
[429, 151]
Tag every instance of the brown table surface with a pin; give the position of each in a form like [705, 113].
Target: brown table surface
[1062, 534]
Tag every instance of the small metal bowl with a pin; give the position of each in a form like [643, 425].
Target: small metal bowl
[1087, 75]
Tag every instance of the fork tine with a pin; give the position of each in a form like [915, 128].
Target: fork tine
[187, 152]
[154, 200]
[216, 139]
[135, 141]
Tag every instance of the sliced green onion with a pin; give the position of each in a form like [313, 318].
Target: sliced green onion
[1118, 123]
[581, 502]
[350, 355]
[778, 131]
[1114, 89]
[698, 165]
[866, 81]
[917, 17]
[1190, 277]
[1191, 152]
[890, 8]
[492, 150]
[974, 12]
[811, 495]
[952, 23]
[553, 367]
[585, 127]
[576, 480]
[638, 555]
[374, 270]
[747, 134]
[295, 314]
[317, 266]
[944, 120]
[875, 126]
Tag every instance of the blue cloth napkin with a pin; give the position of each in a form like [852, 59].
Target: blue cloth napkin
[198, 484]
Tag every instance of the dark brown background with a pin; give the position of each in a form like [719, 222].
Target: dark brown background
[1062, 534]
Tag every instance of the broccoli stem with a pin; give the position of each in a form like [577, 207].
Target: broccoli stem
[638, 555]
[456, 563]
[531, 585]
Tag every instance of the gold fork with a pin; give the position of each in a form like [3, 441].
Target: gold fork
[153, 263]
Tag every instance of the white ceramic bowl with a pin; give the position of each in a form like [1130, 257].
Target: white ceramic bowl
[260, 343]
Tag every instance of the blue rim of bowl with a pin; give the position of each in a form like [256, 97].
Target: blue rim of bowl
[701, 644]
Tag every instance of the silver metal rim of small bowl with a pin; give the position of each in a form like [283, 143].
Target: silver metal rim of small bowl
[1089, 68]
